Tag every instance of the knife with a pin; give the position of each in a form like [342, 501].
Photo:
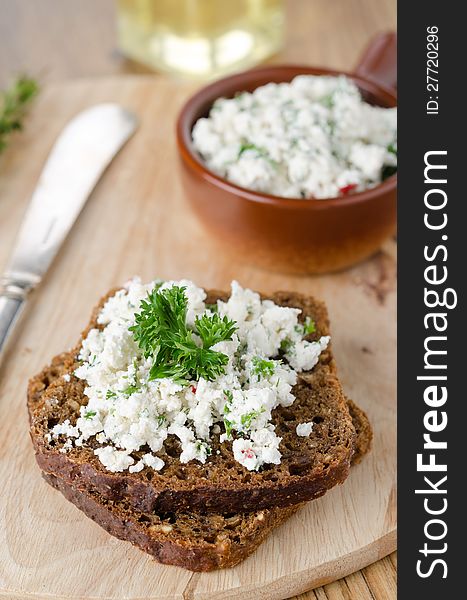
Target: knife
[79, 157]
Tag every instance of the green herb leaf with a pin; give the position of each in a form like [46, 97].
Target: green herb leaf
[228, 428]
[309, 326]
[388, 170]
[262, 367]
[13, 104]
[200, 446]
[212, 329]
[248, 418]
[110, 394]
[328, 100]
[161, 332]
[90, 414]
[131, 389]
[247, 146]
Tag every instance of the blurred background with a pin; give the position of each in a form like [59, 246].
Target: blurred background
[61, 39]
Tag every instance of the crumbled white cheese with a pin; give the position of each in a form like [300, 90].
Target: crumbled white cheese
[261, 447]
[64, 428]
[112, 459]
[314, 137]
[148, 460]
[154, 462]
[304, 355]
[67, 377]
[68, 445]
[127, 411]
[304, 429]
[137, 467]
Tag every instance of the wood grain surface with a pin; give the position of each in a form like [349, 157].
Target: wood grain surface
[56, 41]
[138, 222]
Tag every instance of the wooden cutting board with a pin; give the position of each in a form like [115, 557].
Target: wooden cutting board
[138, 222]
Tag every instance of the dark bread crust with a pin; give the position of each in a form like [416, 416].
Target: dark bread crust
[364, 438]
[195, 542]
[309, 466]
[191, 541]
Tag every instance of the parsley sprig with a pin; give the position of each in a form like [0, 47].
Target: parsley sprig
[162, 333]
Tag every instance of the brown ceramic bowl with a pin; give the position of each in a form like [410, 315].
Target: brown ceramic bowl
[283, 234]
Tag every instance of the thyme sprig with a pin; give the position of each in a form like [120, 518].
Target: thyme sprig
[13, 104]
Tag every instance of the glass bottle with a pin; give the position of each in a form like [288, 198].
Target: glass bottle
[200, 38]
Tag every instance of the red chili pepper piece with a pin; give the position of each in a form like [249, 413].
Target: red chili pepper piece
[248, 452]
[193, 389]
[347, 188]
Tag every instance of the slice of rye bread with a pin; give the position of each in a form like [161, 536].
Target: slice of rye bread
[363, 430]
[193, 541]
[309, 467]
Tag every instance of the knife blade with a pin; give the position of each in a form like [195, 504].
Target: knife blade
[76, 162]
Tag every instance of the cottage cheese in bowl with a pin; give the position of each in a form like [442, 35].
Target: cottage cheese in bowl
[314, 137]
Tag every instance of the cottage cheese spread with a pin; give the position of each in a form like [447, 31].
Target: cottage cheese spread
[304, 429]
[127, 412]
[312, 138]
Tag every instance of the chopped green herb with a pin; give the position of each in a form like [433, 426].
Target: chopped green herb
[309, 327]
[161, 419]
[110, 394]
[261, 152]
[131, 389]
[286, 344]
[328, 100]
[228, 394]
[162, 334]
[388, 170]
[247, 146]
[392, 149]
[212, 307]
[202, 445]
[248, 418]
[228, 428]
[90, 414]
[263, 367]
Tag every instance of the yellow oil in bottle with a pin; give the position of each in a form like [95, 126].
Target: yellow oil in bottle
[200, 38]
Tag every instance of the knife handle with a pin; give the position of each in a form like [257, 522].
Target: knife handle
[12, 302]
